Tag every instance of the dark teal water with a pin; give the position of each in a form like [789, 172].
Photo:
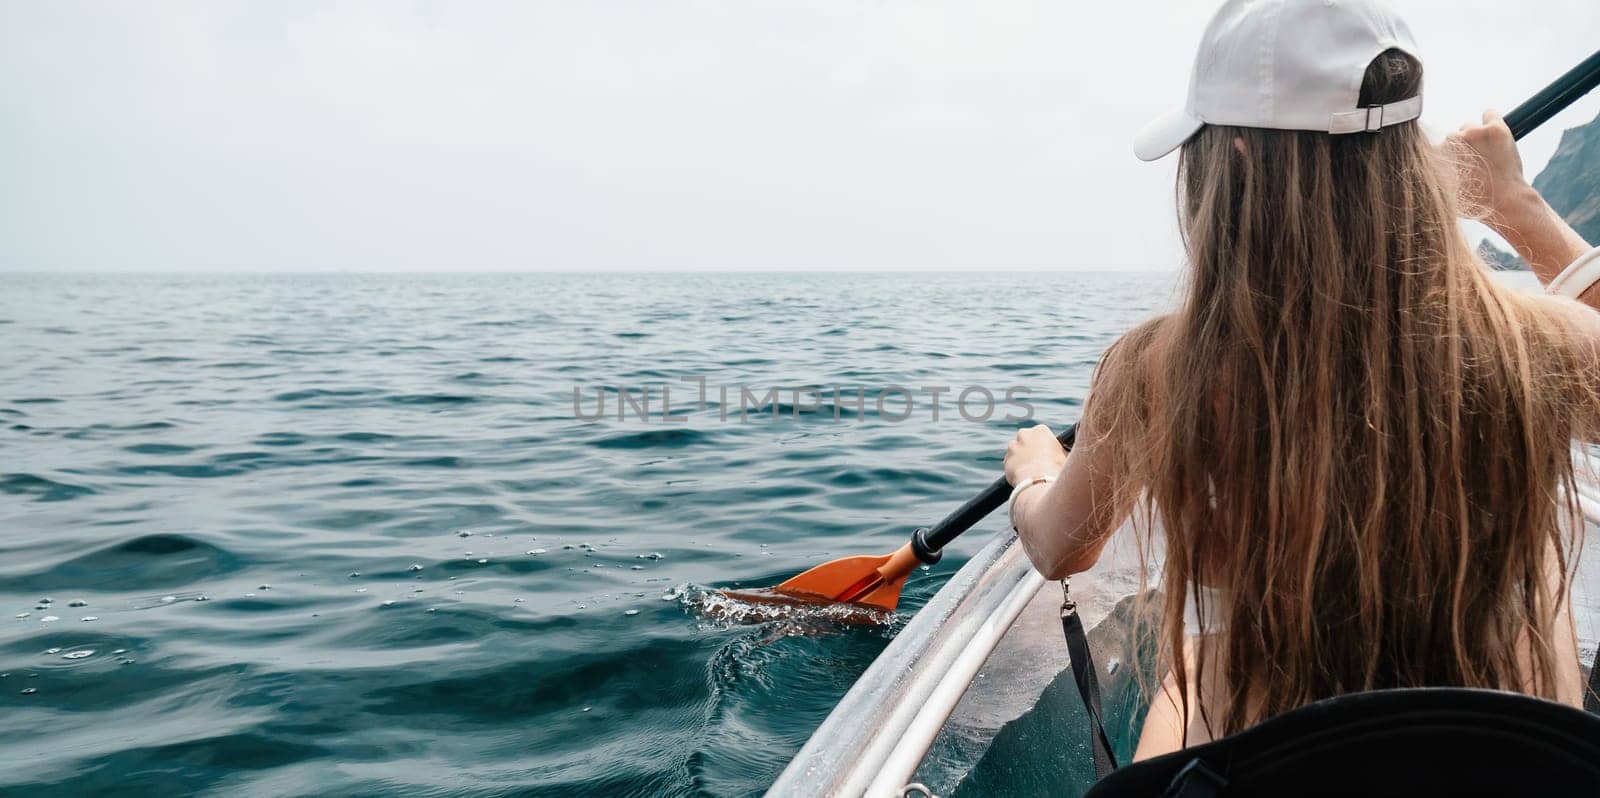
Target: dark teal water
[343, 535]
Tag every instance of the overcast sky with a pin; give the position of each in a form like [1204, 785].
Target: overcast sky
[654, 134]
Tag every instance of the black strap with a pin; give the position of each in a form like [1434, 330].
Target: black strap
[1083, 672]
[1591, 696]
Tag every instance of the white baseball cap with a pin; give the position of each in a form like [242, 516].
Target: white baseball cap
[1287, 65]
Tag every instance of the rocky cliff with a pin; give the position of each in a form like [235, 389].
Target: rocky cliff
[1499, 259]
[1571, 182]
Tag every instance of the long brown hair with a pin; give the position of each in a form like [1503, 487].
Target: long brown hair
[1347, 429]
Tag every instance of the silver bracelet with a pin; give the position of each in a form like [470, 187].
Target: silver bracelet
[1018, 490]
[1579, 277]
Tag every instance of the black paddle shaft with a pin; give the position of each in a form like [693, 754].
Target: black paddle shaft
[940, 534]
[1554, 98]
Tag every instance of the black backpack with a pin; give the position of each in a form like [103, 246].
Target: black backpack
[1410, 742]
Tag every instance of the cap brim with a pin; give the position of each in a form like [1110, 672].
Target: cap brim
[1159, 138]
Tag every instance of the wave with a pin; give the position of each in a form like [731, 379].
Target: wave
[98, 431]
[159, 448]
[431, 399]
[42, 489]
[323, 393]
[147, 562]
[655, 439]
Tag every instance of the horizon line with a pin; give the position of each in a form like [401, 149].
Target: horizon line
[573, 271]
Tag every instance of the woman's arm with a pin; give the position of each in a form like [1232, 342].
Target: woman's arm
[1174, 719]
[1563, 642]
[1491, 175]
[1064, 524]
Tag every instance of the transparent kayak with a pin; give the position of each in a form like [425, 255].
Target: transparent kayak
[975, 695]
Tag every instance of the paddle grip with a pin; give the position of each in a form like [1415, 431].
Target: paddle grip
[1566, 90]
[976, 509]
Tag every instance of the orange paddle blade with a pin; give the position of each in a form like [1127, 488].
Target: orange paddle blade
[860, 580]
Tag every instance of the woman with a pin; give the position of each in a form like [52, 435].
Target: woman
[1354, 440]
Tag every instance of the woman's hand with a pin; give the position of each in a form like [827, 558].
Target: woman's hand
[1034, 452]
[1499, 196]
[1490, 169]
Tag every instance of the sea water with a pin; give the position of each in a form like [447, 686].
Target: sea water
[365, 535]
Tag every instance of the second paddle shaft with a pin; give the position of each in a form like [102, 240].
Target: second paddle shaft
[940, 534]
[1578, 81]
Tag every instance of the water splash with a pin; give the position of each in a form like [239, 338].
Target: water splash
[789, 615]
